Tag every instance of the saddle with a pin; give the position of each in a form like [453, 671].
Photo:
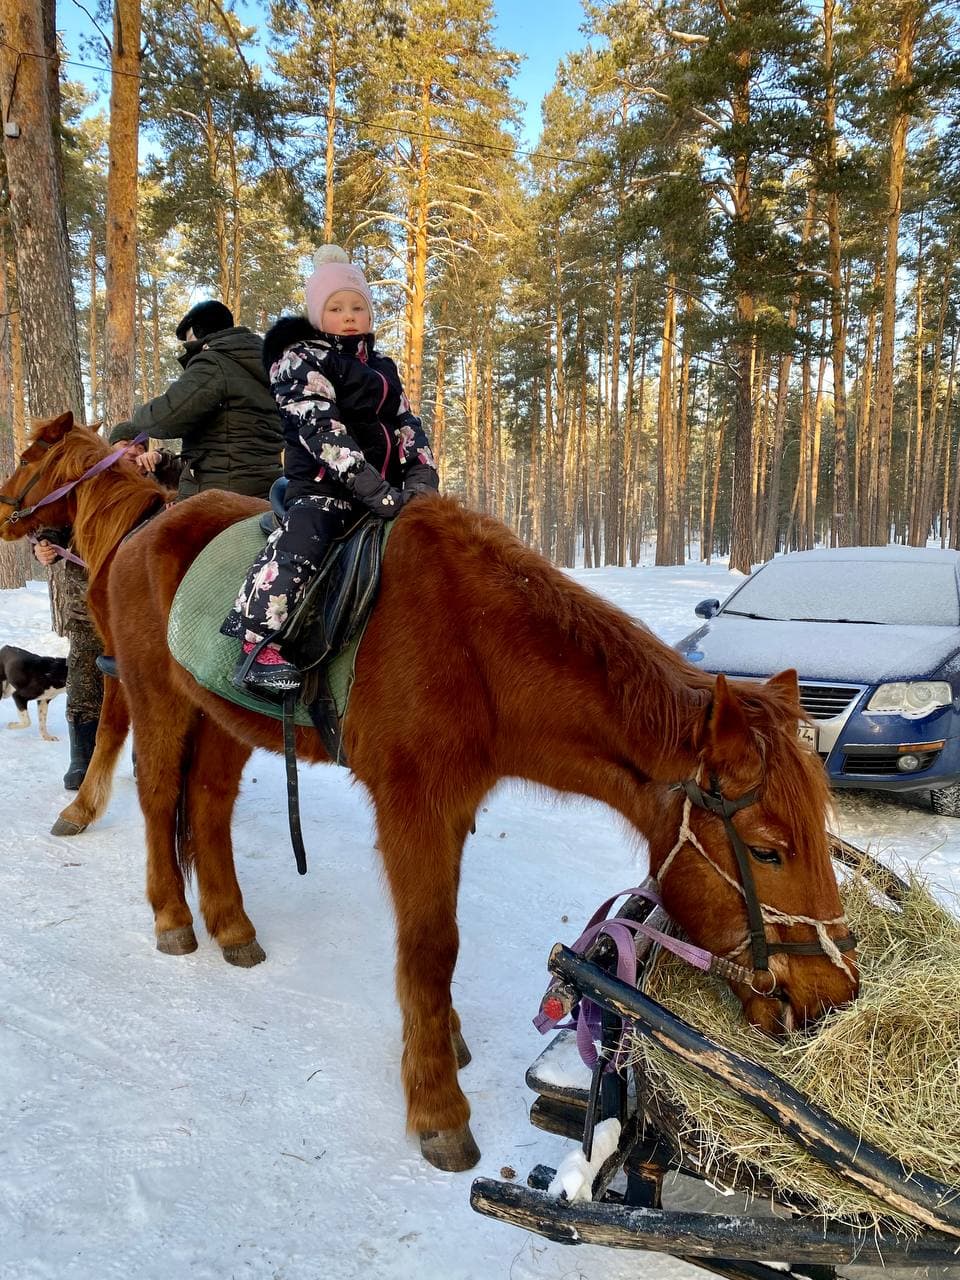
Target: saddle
[323, 633]
[320, 637]
[340, 597]
[338, 602]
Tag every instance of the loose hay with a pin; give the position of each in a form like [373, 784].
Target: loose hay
[887, 1067]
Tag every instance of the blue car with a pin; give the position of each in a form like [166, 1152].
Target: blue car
[874, 634]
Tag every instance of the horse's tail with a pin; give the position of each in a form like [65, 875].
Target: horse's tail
[183, 836]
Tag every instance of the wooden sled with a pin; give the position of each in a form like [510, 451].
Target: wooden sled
[740, 1245]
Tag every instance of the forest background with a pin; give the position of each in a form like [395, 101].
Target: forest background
[715, 304]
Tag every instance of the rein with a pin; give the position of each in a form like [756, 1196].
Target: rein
[759, 914]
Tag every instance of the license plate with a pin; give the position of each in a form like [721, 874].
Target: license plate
[807, 735]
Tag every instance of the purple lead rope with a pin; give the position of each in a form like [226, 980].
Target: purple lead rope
[622, 933]
[64, 552]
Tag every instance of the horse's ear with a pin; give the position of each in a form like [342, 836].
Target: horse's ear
[56, 428]
[786, 683]
[728, 732]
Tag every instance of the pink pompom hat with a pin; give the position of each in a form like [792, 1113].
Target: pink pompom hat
[333, 271]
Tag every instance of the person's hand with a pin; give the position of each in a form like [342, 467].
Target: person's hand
[149, 460]
[44, 552]
[416, 490]
[376, 493]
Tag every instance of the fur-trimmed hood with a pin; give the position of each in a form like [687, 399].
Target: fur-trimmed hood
[291, 329]
[286, 331]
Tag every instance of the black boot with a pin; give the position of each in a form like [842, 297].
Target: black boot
[83, 737]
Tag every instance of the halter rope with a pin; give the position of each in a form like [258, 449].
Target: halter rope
[769, 915]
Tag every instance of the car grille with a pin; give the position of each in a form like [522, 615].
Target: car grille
[824, 701]
[884, 764]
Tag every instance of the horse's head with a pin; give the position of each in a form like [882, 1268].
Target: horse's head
[744, 864]
[37, 474]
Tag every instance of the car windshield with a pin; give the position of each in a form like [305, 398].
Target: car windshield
[899, 592]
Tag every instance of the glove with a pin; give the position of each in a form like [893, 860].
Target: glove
[376, 493]
[419, 479]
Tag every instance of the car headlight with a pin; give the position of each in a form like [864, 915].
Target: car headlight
[911, 699]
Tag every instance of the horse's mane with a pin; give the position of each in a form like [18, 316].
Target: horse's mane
[108, 512]
[648, 679]
[653, 685]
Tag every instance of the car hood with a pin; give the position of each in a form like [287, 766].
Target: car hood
[860, 652]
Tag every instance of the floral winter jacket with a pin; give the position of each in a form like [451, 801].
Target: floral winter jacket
[342, 405]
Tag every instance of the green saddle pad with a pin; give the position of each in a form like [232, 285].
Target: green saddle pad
[205, 597]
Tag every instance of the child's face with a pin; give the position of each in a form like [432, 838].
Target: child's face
[346, 312]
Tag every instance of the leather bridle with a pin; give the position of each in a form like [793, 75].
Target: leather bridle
[17, 500]
[759, 914]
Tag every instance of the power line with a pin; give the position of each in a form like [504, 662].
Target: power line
[376, 126]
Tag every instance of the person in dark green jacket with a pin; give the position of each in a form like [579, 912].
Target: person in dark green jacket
[220, 407]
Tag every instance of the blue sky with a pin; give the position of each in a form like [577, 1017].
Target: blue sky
[541, 30]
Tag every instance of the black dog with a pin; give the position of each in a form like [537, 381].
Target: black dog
[28, 676]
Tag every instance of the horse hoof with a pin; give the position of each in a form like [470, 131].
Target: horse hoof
[64, 827]
[177, 942]
[246, 955]
[460, 1049]
[452, 1150]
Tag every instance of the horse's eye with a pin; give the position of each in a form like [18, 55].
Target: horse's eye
[766, 855]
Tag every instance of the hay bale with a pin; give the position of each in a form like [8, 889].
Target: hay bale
[887, 1067]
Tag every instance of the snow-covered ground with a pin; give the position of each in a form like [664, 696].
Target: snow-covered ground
[171, 1117]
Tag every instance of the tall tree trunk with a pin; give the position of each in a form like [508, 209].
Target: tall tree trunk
[947, 453]
[629, 424]
[842, 523]
[867, 425]
[683, 432]
[741, 515]
[472, 452]
[815, 440]
[92, 322]
[331, 129]
[768, 546]
[714, 491]
[121, 230]
[44, 283]
[933, 452]
[221, 239]
[667, 548]
[570, 462]
[155, 334]
[141, 350]
[761, 393]
[536, 487]
[12, 565]
[439, 402]
[235, 301]
[804, 536]
[19, 391]
[612, 551]
[421, 253]
[490, 470]
[900, 85]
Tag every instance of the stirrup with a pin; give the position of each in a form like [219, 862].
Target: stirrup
[272, 682]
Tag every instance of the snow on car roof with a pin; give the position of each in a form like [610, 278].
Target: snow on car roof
[905, 586]
[893, 551]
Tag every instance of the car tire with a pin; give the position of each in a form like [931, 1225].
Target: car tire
[946, 801]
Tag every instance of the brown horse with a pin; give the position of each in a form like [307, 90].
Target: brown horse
[481, 662]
